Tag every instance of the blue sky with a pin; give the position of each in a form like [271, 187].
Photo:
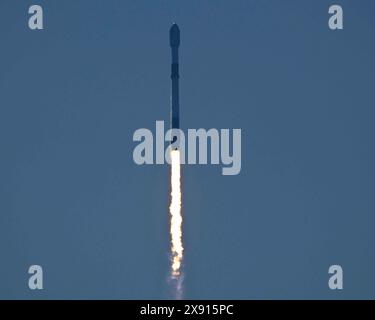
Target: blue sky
[74, 202]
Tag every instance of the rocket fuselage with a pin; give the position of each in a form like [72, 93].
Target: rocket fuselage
[174, 41]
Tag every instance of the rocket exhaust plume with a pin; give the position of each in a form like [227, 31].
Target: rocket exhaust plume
[175, 212]
[177, 249]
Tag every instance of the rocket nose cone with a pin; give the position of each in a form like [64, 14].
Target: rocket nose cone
[174, 35]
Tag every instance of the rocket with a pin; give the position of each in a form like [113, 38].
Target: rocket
[174, 41]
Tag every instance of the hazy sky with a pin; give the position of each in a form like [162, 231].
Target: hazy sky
[73, 201]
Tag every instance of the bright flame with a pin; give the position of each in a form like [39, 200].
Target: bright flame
[177, 248]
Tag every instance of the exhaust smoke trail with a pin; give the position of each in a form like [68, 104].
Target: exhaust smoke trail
[177, 248]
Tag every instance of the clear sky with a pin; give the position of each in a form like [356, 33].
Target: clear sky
[73, 201]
